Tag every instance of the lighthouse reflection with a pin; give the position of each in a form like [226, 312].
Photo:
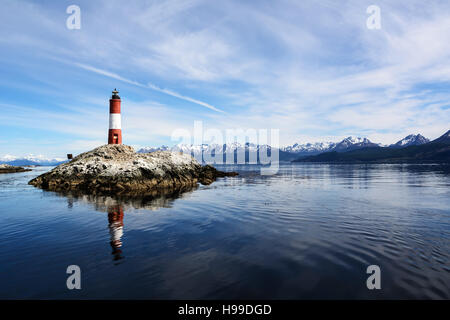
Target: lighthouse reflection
[117, 205]
[115, 225]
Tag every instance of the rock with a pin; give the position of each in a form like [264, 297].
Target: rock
[119, 169]
[6, 168]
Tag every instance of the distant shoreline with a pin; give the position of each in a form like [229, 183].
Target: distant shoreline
[12, 169]
[373, 162]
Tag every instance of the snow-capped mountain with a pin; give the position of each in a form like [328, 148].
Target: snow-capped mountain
[410, 140]
[436, 151]
[352, 143]
[287, 153]
[309, 147]
[208, 149]
[30, 160]
[347, 144]
[210, 153]
[153, 149]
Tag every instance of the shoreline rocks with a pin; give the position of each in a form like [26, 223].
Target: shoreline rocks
[118, 169]
[6, 168]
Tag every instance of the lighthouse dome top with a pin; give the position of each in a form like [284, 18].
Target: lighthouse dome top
[115, 94]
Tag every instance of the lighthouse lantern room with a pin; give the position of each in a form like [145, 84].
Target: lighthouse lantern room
[115, 122]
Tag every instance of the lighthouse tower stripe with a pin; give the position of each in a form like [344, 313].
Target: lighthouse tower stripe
[115, 121]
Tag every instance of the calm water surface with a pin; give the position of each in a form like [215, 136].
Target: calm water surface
[308, 232]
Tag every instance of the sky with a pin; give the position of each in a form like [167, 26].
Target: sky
[312, 69]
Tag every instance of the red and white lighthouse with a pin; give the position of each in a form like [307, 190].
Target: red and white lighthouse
[115, 121]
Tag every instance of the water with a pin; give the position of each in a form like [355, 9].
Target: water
[308, 232]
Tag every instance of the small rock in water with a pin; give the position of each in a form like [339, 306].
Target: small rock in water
[6, 168]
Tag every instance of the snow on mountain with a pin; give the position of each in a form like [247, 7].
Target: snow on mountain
[199, 149]
[411, 140]
[347, 144]
[153, 149]
[286, 153]
[309, 147]
[30, 160]
[352, 143]
[289, 152]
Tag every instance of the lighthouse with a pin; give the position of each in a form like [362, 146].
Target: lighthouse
[115, 122]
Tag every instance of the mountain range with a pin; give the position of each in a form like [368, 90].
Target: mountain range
[30, 160]
[410, 149]
[293, 152]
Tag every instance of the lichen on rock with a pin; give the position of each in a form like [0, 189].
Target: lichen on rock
[119, 169]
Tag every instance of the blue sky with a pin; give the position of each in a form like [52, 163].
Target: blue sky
[313, 70]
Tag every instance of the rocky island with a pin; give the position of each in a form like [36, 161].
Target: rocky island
[118, 169]
[6, 168]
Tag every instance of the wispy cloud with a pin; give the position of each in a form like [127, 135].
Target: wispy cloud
[177, 95]
[149, 85]
[108, 74]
